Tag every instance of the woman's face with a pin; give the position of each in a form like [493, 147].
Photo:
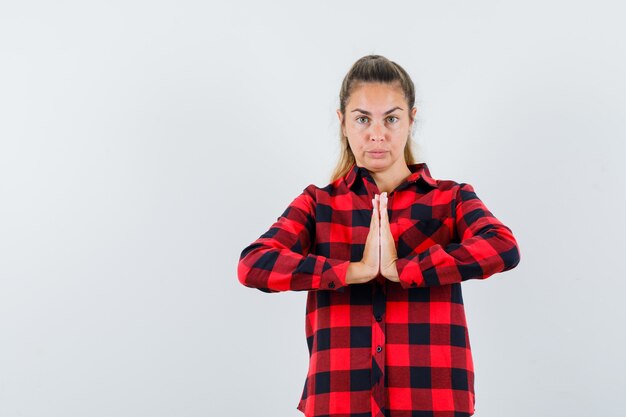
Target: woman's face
[377, 125]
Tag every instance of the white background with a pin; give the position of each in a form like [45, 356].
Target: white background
[144, 144]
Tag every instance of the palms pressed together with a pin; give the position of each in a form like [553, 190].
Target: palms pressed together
[379, 254]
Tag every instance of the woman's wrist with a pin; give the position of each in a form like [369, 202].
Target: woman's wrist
[358, 273]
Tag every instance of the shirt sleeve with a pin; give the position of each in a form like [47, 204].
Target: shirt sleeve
[280, 259]
[486, 247]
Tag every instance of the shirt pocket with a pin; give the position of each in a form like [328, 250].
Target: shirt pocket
[415, 236]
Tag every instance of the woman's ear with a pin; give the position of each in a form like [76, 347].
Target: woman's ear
[413, 113]
[340, 116]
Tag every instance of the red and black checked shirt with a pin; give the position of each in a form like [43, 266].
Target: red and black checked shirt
[384, 348]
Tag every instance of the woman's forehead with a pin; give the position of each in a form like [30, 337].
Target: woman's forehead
[377, 95]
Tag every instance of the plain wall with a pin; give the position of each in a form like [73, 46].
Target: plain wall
[144, 144]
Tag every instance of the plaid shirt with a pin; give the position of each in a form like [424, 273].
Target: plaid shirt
[383, 348]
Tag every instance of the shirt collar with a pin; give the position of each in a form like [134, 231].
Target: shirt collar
[419, 170]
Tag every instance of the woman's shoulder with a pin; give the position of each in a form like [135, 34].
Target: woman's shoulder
[421, 171]
[447, 185]
[336, 188]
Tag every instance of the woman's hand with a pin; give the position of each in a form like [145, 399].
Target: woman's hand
[368, 268]
[379, 254]
[388, 253]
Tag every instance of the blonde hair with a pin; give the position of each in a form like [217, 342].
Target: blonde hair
[372, 69]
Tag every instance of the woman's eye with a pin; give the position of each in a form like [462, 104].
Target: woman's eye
[360, 118]
[393, 117]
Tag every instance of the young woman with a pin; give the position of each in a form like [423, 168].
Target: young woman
[382, 251]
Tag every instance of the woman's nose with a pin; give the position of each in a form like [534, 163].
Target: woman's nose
[378, 132]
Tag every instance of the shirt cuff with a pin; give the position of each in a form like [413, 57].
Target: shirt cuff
[334, 273]
[409, 272]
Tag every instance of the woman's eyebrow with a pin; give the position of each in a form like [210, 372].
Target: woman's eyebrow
[369, 114]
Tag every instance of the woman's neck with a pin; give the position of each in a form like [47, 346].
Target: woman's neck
[388, 181]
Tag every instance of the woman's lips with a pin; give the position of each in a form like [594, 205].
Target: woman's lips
[377, 154]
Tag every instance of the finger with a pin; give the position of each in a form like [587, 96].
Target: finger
[377, 210]
[374, 232]
[385, 229]
[374, 213]
[370, 253]
[384, 218]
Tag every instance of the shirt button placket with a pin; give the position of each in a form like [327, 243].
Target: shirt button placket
[378, 350]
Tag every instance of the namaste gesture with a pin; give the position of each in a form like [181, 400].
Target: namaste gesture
[379, 255]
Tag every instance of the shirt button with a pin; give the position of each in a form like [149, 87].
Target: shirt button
[331, 284]
[378, 318]
[379, 348]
